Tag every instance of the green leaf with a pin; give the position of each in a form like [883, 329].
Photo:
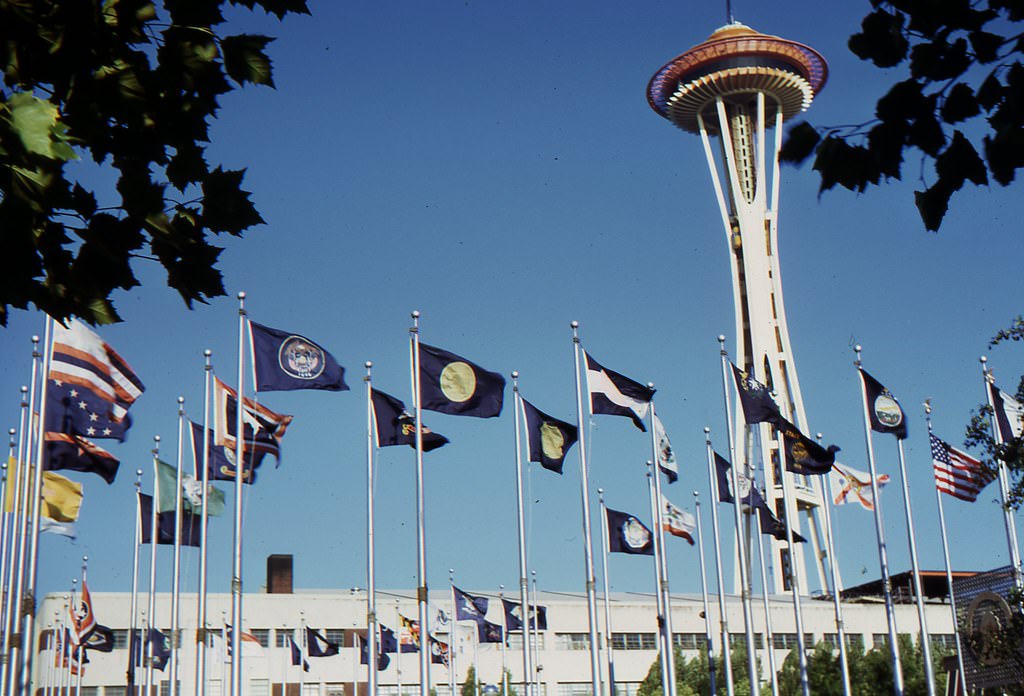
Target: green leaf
[801, 139]
[881, 39]
[960, 162]
[226, 207]
[960, 104]
[245, 60]
[36, 122]
[932, 204]
[986, 45]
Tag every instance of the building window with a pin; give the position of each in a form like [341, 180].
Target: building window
[313, 690]
[584, 689]
[634, 641]
[630, 689]
[690, 641]
[214, 687]
[120, 641]
[282, 636]
[854, 641]
[114, 690]
[515, 641]
[262, 636]
[879, 640]
[90, 691]
[944, 641]
[334, 635]
[572, 641]
[259, 687]
[740, 640]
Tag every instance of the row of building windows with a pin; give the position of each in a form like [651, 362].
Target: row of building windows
[263, 687]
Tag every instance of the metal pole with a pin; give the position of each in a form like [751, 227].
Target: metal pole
[12, 571]
[926, 649]
[713, 480]
[662, 571]
[741, 548]
[535, 640]
[236, 567]
[133, 656]
[371, 579]
[663, 652]
[81, 646]
[6, 522]
[524, 599]
[709, 644]
[201, 639]
[421, 541]
[504, 636]
[609, 650]
[949, 572]
[844, 662]
[176, 577]
[588, 544]
[883, 562]
[452, 669]
[154, 540]
[769, 637]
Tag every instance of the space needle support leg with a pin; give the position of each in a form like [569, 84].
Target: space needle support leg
[716, 182]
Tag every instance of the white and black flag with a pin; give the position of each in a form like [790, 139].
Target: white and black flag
[617, 395]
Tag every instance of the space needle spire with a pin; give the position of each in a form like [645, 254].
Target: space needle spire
[737, 88]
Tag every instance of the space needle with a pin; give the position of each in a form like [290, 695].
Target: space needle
[737, 88]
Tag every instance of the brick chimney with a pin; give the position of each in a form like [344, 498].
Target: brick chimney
[279, 573]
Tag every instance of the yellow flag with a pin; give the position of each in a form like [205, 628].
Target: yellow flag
[12, 484]
[62, 497]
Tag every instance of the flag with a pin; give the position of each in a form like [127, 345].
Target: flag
[666, 455]
[514, 616]
[547, 439]
[83, 619]
[262, 429]
[469, 607]
[62, 498]
[884, 411]
[677, 521]
[627, 534]
[364, 655]
[161, 649]
[1009, 413]
[191, 492]
[100, 639]
[318, 646]
[804, 455]
[769, 523]
[222, 459]
[284, 361]
[89, 387]
[388, 640]
[297, 658]
[439, 652]
[73, 453]
[617, 395]
[957, 473]
[408, 635]
[488, 632]
[755, 398]
[191, 525]
[451, 384]
[852, 484]
[724, 478]
[65, 529]
[396, 426]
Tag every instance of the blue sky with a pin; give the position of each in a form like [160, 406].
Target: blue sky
[496, 166]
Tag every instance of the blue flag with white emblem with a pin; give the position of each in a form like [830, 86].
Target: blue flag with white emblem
[627, 534]
[285, 361]
[548, 439]
[451, 384]
[884, 411]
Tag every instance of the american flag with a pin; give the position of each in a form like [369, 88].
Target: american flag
[957, 473]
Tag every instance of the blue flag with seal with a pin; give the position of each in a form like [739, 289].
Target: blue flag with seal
[396, 426]
[284, 361]
[627, 534]
[453, 385]
[548, 439]
[469, 607]
[884, 411]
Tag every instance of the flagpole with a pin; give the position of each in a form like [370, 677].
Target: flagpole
[28, 606]
[769, 637]
[588, 544]
[663, 651]
[65, 652]
[398, 656]
[1004, 485]
[741, 549]
[609, 650]
[6, 522]
[200, 685]
[52, 649]
[945, 556]
[723, 618]
[452, 672]
[709, 644]
[421, 543]
[11, 571]
[81, 647]
[926, 650]
[175, 578]
[154, 540]
[883, 562]
[236, 573]
[535, 640]
[504, 640]
[524, 590]
[371, 581]
[305, 651]
[844, 662]
[134, 606]
[659, 535]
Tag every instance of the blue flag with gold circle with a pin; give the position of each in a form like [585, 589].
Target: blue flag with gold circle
[453, 385]
[285, 361]
[549, 439]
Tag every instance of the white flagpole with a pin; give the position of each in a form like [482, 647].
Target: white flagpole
[741, 547]
[50, 663]
[926, 649]
[588, 544]
[81, 646]
[176, 577]
[154, 539]
[504, 640]
[837, 591]
[6, 522]
[303, 654]
[236, 572]
[535, 639]
[524, 603]
[654, 471]
[709, 643]
[65, 651]
[421, 542]
[11, 584]
[29, 600]
[371, 581]
[133, 656]
[723, 618]
[609, 650]
[398, 655]
[1004, 485]
[883, 562]
[663, 651]
[452, 672]
[949, 573]
[201, 623]
[73, 646]
[769, 636]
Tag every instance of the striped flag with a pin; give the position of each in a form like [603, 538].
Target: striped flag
[957, 473]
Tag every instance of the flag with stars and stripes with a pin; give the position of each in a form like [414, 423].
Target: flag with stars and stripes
[957, 473]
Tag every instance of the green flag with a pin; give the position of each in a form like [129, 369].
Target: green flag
[191, 489]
